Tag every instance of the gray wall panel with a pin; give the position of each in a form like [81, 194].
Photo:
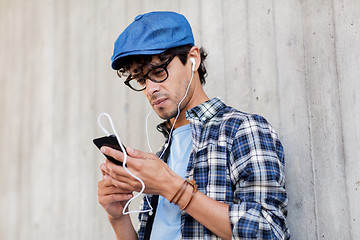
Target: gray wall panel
[294, 62]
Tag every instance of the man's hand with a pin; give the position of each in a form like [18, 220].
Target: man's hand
[157, 176]
[111, 198]
[160, 179]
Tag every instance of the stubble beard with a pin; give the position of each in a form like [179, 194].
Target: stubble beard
[171, 113]
[174, 109]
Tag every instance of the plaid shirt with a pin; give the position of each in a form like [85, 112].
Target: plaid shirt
[237, 159]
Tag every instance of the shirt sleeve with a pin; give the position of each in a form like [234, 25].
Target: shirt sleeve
[257, 174]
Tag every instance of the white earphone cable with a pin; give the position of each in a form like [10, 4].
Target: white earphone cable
[178, 113]
[148, 142]
[124, 165]
[147, 132]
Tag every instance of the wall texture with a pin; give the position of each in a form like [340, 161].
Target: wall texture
[294, 62]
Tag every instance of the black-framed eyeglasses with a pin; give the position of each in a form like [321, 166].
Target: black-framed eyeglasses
[156, 74]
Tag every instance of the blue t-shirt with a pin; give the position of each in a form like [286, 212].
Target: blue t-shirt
[167, 222]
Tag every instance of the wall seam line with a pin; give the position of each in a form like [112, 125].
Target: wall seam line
[310, 125]
[341, 119]
[249, 58]
[223, 46]
[276, 68]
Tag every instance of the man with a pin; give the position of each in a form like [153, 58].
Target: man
[222, 175]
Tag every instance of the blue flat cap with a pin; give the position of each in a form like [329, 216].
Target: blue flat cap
[152, 33]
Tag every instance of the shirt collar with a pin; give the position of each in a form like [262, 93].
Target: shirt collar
[206, 110]
[164, 128]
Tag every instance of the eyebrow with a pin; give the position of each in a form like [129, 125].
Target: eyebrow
[155, 65]
[139, 71]
[151, 66]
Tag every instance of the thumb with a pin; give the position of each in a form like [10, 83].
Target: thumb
[134, 153]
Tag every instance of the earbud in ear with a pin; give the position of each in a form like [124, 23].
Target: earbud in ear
[193, 64]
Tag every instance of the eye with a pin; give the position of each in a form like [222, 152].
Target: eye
[158, 73]
[141, 81]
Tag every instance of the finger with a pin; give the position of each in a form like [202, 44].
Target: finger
[116, 154]
[105, 183]
[114, 170]
[124, 186]
[103, 200]
[103, 169]
[105, 188]
[123, 181]
[109, 168]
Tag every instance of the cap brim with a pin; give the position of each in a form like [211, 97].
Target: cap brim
[118, 61]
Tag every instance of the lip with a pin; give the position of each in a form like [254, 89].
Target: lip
[158, 102]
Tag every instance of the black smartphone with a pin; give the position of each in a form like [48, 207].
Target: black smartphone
[109, 141]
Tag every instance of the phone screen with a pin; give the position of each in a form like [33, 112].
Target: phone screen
[109, 141]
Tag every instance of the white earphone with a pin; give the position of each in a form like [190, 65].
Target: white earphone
[193, 64]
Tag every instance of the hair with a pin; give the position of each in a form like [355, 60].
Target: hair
[145, 61]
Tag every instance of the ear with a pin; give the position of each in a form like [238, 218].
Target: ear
[195, 54]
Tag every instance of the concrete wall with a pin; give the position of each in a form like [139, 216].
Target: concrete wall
[294, 62]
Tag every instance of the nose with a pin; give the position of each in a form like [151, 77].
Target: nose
[151, 87]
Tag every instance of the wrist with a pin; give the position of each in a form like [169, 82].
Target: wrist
[120, 219]
[185, 193]
[185, 199]
[172, 186]
[123, 227]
